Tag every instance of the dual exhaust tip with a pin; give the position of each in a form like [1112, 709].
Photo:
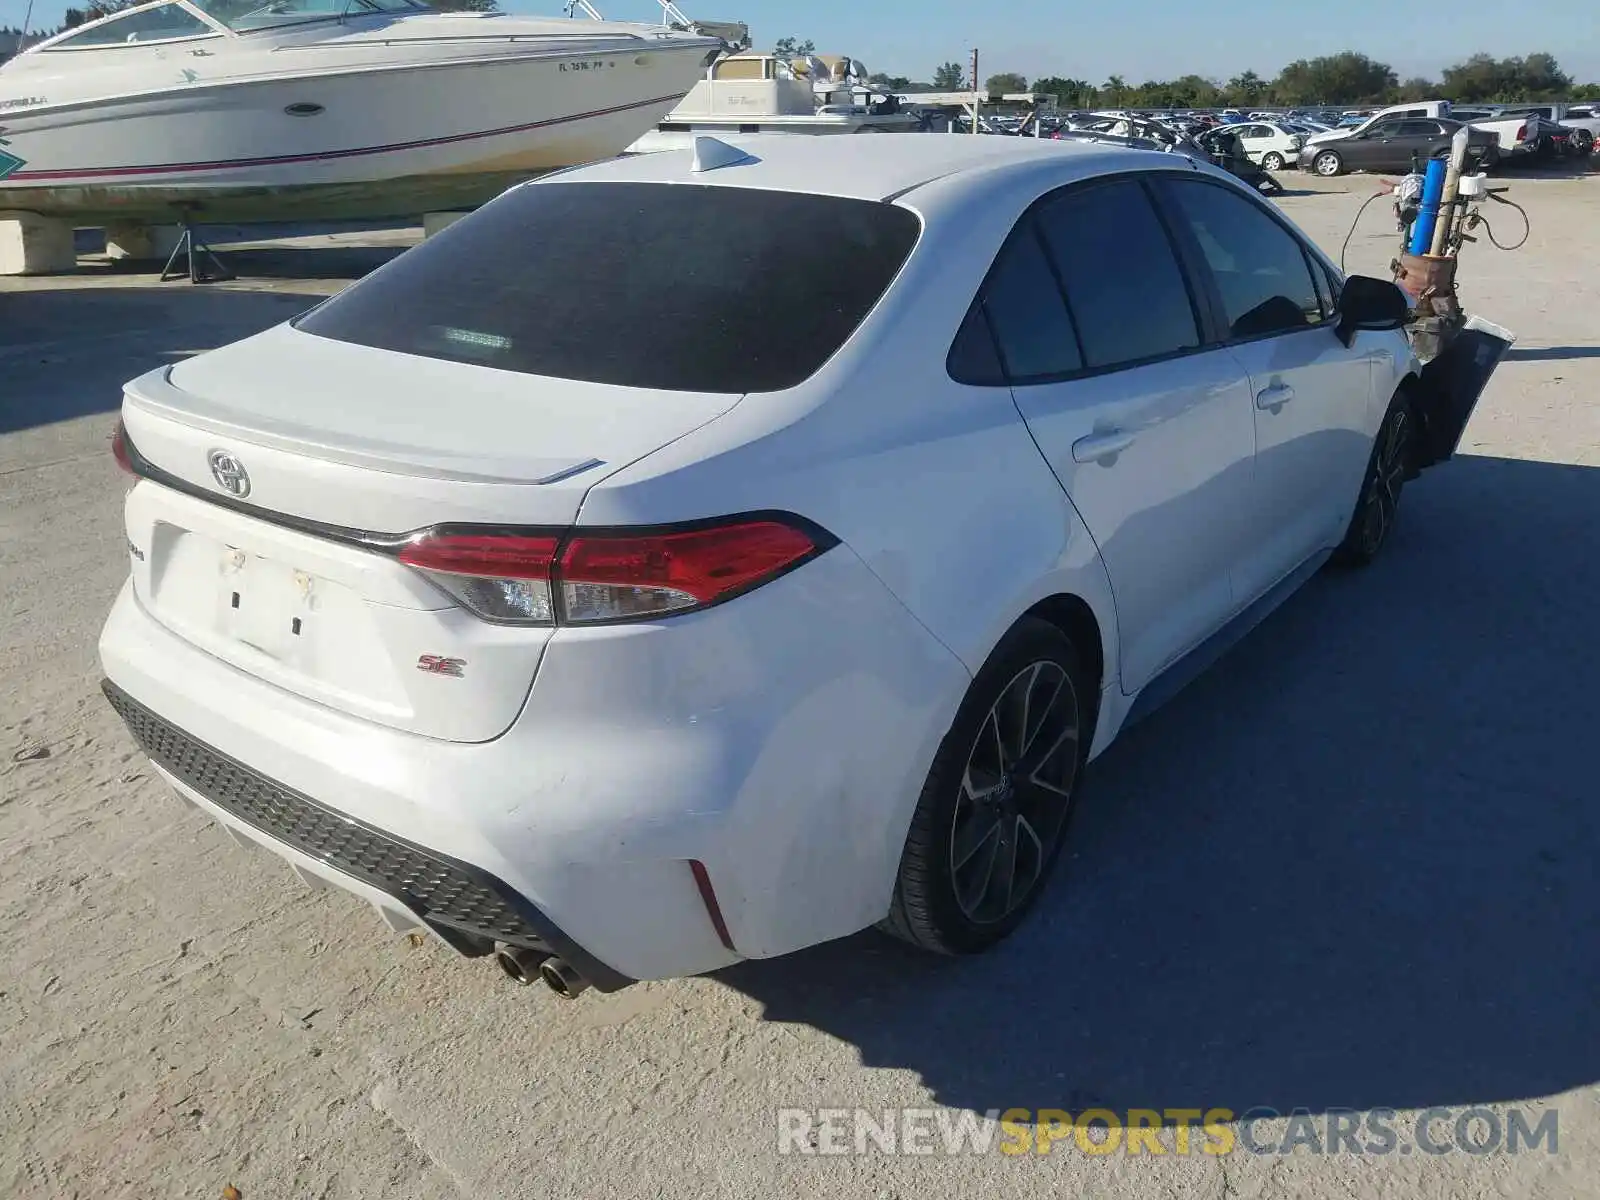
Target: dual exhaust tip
[526, 966]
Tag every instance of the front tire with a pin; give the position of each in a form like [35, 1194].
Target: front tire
[1272, 161]
[1328, 164]
[993, 813]
[1378, 504]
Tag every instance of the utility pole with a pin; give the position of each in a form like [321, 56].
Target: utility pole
[976, 103]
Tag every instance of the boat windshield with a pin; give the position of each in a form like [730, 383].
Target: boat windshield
[245, 15]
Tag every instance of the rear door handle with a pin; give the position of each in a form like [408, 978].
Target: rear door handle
[1099, 446]
[1274, 396]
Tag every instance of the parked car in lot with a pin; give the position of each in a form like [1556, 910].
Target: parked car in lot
[1518, 135]
[1266, 143]
[1581, 121]
[1360, 122]
[692, 557]
[1392, 144]
[1562, 127]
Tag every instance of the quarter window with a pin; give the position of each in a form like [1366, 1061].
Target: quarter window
[1125, 289]
[1260, 267]
[973, 357]
[1027, 313]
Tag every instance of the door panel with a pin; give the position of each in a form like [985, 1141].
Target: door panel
[1313, 438]
[1157, 460]
[1097, 331]
[1367, 149]
[1311, 396]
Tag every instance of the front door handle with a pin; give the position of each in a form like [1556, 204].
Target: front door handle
[1275, 396]
[1099, 446]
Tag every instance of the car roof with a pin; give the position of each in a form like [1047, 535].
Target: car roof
[860, 166]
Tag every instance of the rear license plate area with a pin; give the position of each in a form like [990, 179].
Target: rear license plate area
[265, 604]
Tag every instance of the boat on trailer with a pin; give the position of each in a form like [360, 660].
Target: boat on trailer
[276, 110]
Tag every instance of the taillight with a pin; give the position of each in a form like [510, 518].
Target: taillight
[606, 577]
[119, 448]
[602, 576]
[1522, 132]
[501, 577]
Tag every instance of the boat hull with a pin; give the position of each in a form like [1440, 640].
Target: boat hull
[379, 141]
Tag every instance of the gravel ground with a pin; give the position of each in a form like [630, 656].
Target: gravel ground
[1351, 868]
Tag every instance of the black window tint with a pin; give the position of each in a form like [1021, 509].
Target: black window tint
[973, 358]
[1260, 268]
[682, 287]
[1122, 279]
[1026, 311]
[1418, 128]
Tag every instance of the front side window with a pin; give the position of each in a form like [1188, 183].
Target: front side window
[1260, 268]
[1124, 287]
[151, 25]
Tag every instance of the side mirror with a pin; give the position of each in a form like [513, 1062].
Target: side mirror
[1371, 304]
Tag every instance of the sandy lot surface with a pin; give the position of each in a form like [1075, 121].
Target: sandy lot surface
[1352, 868]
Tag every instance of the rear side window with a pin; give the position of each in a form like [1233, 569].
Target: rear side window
[974, 358]
[681, 287]
[1126, 292]
[1260, 269]
[1024, 306]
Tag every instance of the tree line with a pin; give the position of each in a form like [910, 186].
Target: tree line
[1336, 79]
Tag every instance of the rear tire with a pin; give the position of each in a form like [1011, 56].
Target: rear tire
[994, 811]
[1378, 504]
[1272, 161]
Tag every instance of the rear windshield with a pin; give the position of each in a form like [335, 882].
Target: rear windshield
[683, 287]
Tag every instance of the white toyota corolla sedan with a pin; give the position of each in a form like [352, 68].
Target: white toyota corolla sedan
[696, 556]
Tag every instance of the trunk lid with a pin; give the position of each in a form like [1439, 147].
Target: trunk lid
[344, 448]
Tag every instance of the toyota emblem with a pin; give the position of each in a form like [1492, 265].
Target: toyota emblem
[229, 473]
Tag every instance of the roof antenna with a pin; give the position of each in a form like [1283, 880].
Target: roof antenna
[711, 153]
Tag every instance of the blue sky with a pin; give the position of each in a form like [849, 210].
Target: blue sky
[1155, 39]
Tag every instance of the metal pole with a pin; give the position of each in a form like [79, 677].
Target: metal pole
[1452, 188]
[975, 103]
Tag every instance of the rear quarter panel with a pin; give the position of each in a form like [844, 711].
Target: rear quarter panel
[938, 486]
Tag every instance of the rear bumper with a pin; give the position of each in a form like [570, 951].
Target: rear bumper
[780, 741]
[414, 887]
